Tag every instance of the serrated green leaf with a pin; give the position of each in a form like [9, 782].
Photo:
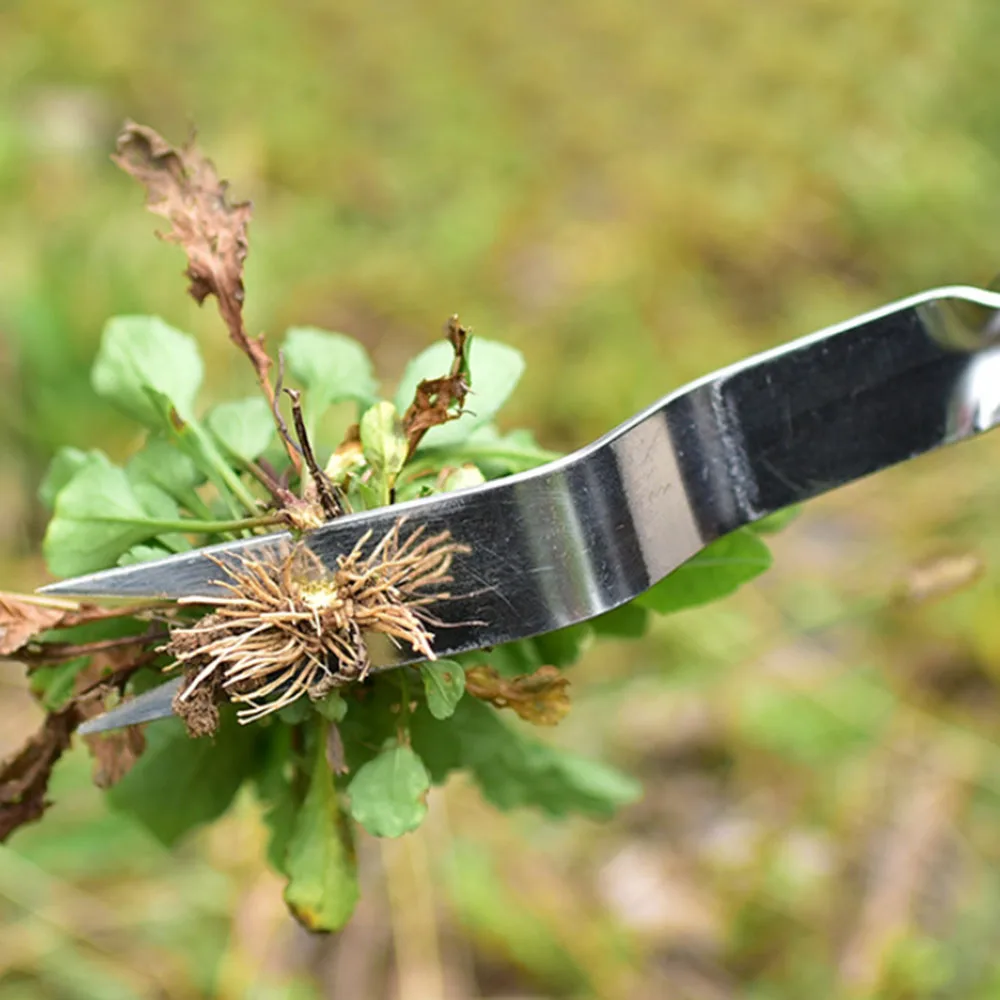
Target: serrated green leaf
[444, 685]
[383, 441]
[495, 371]
[332, 367]
[66, 463]
[389, 793]
[244, 428]
[142, 352]
[715, 572]
[319, 860]
[97, 518]
[179, 783]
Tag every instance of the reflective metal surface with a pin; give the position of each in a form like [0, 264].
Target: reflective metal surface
[582, 535]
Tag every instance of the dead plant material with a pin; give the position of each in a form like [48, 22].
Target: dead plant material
[291, 627]
[24, 777]
[183, 186]
[438, 400]
[540, 697]
[25, 616]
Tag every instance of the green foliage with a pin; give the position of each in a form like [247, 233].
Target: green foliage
[389, 792]
[244, 427]
[139, 353]
[384, 443]
[193, 483]
[316, 852]
[97, 518]
[444, 685]
[179, 783]
[715, 572]
[332, 368]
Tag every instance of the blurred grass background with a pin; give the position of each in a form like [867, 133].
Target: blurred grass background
[632, 195]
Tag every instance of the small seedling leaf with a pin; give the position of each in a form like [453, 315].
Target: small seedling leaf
[389, 793]
[444, 685]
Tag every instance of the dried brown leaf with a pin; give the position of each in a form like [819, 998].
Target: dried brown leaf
[115, 753]
[183, 186]
[438, 400]
[940, 577]
[24, 616]
[540, 697]
[21, 620]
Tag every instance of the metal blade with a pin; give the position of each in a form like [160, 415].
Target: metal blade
[581, 536]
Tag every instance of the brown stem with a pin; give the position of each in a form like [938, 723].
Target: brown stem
[329, 497]
[55, 652]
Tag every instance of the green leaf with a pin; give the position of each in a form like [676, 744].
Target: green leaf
[142, 352]
[515, 770]
[561, 648]
[332, 707]
[179, 783]
[462, 478]
[279, 787]
[160, 505]
[716, 571]
[142, 553]
[199, 445]
[66, 463]
[97, 518]
[627, 622]
[167, 466]
[383, 441]
[777, 521]
[495, 371]
[319, 860]
[389, 793]
[55, 682]
[244, 428]
[444, 685]
[333, 368]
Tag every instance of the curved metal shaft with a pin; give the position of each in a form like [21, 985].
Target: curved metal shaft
[582, 535]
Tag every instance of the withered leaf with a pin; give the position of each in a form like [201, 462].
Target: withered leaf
[183, 186]
[438, 400]
[21, 619]
[540, 697]
[115, 753]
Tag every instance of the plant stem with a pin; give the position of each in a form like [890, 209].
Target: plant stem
[196, 527]
[222, 467]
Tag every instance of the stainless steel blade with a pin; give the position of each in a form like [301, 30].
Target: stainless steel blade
[580, 536]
